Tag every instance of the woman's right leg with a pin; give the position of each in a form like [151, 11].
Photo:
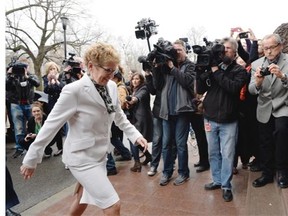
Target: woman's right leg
[76, 208]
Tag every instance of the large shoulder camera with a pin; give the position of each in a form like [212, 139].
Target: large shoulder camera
[75, 66]
[265, 71]
[210, 54]
[162, 52]
[18, 68]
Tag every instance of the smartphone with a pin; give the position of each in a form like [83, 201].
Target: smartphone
[243, 35]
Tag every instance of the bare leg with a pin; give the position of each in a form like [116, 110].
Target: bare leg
[76, 208]
[113, 210]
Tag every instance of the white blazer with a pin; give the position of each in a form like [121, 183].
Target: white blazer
[88, 137]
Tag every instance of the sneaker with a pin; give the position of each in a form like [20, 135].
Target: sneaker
[181, 180]
[152, 171]
[66, 167]
[164, 180]
[47, 155]
[18, 152]
[9, 212]
[59, 152]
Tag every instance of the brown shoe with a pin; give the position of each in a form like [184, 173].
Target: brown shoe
[137, 167]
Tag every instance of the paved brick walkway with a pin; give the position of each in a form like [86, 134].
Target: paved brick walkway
[142, 195]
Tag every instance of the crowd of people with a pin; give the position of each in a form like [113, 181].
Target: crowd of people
[237, 108]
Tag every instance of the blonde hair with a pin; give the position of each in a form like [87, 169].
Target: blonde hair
[38, 105]
[180, 42]
[48, 65]
[102, 54]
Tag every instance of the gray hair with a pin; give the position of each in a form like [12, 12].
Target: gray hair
[232, 41]
[275, 36]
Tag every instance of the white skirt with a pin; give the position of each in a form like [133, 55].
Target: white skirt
[97, 188]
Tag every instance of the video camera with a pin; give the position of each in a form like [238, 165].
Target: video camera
[146, 28]
[18, 68]
[209, 55]
[162, 52]
[75, 66]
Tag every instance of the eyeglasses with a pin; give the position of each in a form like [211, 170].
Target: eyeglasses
[271, 47]
[108, 70]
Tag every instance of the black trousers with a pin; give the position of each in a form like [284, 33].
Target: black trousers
[274, 145]
[11, 196]
[197, 123]
[245, 140]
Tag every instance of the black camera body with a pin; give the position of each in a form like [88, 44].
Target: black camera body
[162, 52]
[146, 65]
[265, 71]
[209, 55]
[128, 98]
[18, 68]
[76, 69]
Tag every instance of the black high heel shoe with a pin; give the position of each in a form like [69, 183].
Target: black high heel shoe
[147, 159]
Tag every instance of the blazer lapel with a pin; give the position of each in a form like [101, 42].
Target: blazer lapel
[281, 64]
[92, 91]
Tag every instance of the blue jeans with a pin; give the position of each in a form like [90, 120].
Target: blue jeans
[117, 141]
[222, 138]
[20, 115]
[110, 165]
[156, 142]
[134, 151]
[175, 128]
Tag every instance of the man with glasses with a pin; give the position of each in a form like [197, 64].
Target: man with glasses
[269, 81]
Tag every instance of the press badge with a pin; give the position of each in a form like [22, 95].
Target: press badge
[207, 127]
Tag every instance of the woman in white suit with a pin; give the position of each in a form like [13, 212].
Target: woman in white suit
[89, 105]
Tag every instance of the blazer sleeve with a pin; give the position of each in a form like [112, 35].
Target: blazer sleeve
[63, 110]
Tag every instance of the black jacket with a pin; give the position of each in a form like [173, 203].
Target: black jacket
[221, 103]
[21, 90]
[53, 92]
[30, 129]
[184, 76]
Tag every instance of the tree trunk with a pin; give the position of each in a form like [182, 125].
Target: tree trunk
[37, 70]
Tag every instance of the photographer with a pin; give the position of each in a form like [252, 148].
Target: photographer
[175, 78]
[269, 82]
[74, 69]
[223, 83]
[20, 85]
